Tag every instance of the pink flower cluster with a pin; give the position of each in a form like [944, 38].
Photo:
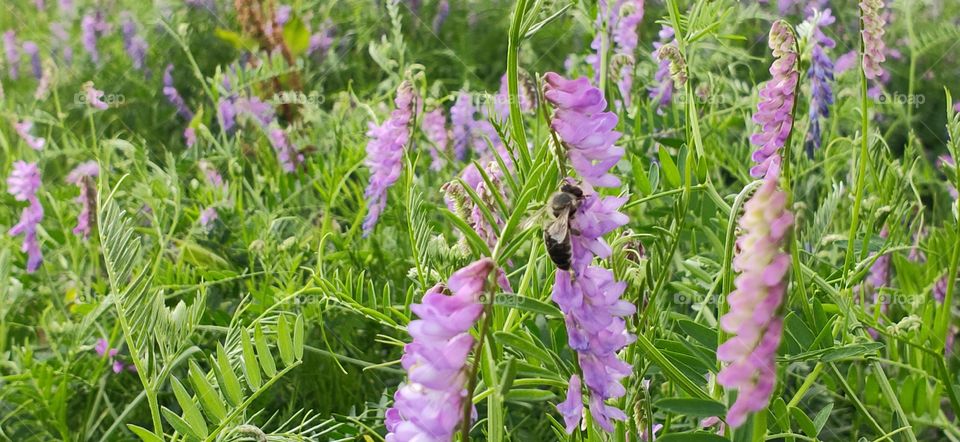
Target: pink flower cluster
[83, 177]
[23, 184]
[385, 153]
[435, 128]
[429, 406]
[871, 12]
[754, 318]
[775, 110]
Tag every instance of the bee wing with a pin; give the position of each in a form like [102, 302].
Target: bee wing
[559, 228]
[535, 219]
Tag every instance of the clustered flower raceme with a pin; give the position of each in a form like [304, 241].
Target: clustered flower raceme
[443, 10]
[874, 48]
[23, 183]
[385, 152]
[92, 27]
[12, 53]
[173, 96]
[459, 201]
[435, 128]
[775, 110]
[670, 53]
[625, 41]
[617, 21]
[24, 129]
[754, 318]
[134, 44]
[429, 405]
[661, 91]
[462, 124]
[83, 177]
[820, 75]
[31, 50]
[589, 295]
[585, 128]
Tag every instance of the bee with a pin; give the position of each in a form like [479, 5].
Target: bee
[563, 205]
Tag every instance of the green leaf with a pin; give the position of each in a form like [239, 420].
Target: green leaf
[531, 305]
[530, 395]
[191, 414]
[209, 398]
[525, 347]
[669, 167]
[229, 383]
[850, 351]
[692, 436]
[236, 39]
[179, 424]
[706, 336]
[804, 422]
[284, 341]
[298, 338]
[251, 369]
[263, 353]
[692, 407]
[144, 434]
[296, 36]
[821, 418]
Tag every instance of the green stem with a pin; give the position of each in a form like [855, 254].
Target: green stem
[861, 165]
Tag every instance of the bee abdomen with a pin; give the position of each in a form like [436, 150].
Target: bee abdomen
[560, 252]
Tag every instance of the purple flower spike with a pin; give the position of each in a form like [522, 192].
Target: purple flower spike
[775, 110]
[385, 153]
[12, 54]
[61, 40]
[33, 51]
[93, 96]
[429, 405]
[586, 130]
[173, 96]
[589, 298]
[461, 118]
[754, 318]
[92, 28]
[83, 176]
[662, 89]
[288, 156]
[871, 12]
[133, 44]
[25, 129]
[443, 10]
[435, 128]
[23, 183]
[821, 77]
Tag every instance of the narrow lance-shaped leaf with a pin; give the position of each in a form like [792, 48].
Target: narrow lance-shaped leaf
[228, 379]
[191, 413]
[251, 368]
[263, 353]
[284, 341]
[209, 398]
